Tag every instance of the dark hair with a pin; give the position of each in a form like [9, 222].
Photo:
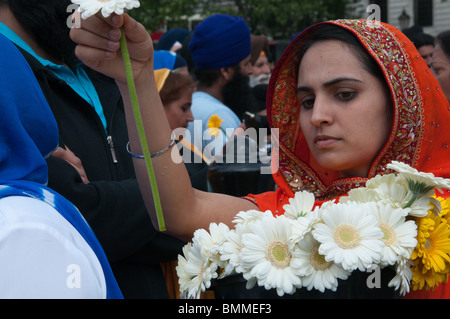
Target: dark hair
[174, 86]
[206, 77]
[325, 32]
[444, 40]
[46, 22]
[421, 39]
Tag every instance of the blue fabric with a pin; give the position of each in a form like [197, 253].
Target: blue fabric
[78, 81]
[28, 133]
[220, 41]
[164, 60]
[167, 60]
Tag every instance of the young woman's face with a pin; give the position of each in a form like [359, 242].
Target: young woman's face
[345, 111]
[179, 112]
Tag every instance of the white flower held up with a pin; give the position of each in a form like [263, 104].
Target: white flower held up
[90, 7]
[424, 181]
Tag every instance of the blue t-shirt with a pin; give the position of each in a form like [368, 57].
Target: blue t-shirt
[204, 106]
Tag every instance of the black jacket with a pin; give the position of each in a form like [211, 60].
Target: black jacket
[111, 202]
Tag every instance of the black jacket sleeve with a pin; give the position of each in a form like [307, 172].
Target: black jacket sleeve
[116, 213]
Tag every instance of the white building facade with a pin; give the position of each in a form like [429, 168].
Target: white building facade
[432, 15]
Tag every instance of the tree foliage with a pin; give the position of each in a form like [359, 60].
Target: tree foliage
[279, 18]
[153, 13]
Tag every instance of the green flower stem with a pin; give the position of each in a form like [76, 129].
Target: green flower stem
[417, 189]
[141, 131]
[414, 197]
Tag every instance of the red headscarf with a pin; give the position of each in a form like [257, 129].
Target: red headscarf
[418, 137]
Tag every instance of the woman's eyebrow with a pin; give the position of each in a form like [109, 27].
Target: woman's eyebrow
[329, 83]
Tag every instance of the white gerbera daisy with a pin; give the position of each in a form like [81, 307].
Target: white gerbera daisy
[350, 235]
[403, 276]
[211, 241]
[399, 235]
[360, 195]
[300, 205]
[201, 260]
[303, 225]
[394, 190]
[250, 216]
[184, 278]
[271, 256]
[230, 250]
[424, 181]
[131, 4]
[91, 7]
[320, 274]
[195, 271]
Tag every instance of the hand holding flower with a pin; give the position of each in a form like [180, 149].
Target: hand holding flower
[99, 39]
[99, 46]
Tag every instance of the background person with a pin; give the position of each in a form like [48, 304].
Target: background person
[46, 247]
[424, 43]
[176, 91]
[220, 47]
[441, 62]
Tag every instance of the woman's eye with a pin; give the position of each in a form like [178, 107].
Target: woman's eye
[307, 103]
[346, 96]
[186, 108]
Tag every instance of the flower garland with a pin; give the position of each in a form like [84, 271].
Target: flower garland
[394, 221]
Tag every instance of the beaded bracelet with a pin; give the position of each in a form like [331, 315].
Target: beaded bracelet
[172, 143]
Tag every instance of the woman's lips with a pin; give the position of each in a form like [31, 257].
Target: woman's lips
[323, 141]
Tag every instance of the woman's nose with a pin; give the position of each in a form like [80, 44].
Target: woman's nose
[321, 112]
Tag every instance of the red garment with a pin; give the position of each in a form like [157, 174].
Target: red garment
[419, 135]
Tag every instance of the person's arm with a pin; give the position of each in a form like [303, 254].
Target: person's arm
[185, 209]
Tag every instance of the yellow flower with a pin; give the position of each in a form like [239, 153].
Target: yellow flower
[432, 254]
[214, 125]
[427, 280]
[445, 208]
